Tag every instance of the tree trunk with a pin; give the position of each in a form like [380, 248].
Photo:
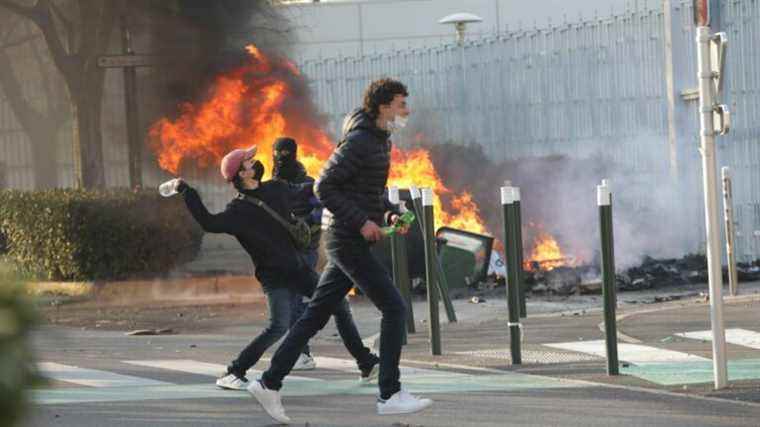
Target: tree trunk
[44, 144]
[41, 129]
[88, 143]
[88, 136]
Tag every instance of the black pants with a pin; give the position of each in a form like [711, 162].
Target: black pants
[280, 300]
[349, 262]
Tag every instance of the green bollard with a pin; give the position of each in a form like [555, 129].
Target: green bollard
[401, 266]
[519, 253]
[434, 326]
[510, 250]
[443, 290]
[604, 200]
[441, 283]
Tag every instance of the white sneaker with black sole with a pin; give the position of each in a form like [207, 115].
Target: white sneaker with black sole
[304, 363]
[402, 402]
[269, 400]
[232, 382]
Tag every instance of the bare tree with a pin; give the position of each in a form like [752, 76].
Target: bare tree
[41, 120]
[76, 33]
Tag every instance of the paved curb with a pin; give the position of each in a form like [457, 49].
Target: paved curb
[149, 290]
[65, 289]
[633, 340]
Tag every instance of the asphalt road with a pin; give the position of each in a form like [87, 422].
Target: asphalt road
[108, 379]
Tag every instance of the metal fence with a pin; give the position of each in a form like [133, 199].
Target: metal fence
[595, 87]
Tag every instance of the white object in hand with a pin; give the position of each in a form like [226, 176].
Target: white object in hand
[169, 188]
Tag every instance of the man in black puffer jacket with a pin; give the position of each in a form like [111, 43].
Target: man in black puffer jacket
[279, 266]
[351, 188]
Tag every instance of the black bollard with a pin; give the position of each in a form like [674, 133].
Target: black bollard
[604, 200]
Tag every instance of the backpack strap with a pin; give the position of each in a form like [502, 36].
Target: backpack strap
[260, 203]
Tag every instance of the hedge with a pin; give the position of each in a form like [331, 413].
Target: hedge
[89, 235]
[17, 317]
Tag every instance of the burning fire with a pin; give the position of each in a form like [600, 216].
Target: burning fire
[414, 168]
[267, 98]
[546, 253]
[249, 106]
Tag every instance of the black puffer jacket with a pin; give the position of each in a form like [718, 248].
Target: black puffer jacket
[353, 180]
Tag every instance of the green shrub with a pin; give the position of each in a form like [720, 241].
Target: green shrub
[89, 235]
[17, 371]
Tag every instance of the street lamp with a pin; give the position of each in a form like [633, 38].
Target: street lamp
[460, 21]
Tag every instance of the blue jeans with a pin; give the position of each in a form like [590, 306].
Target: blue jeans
[349, 262]
[280, 299]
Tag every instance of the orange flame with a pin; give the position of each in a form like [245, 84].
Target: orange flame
[415, 168]
[248, 106]
[546, 253]
[262, 100]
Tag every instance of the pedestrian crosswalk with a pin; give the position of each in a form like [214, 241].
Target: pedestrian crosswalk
[741, 337]
[632, 353]
[328, 379]
[92, 377]
[137, 379]
[670, 367]
[198, 368]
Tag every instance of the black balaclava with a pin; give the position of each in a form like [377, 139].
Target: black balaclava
[284, 155]
[258, 170]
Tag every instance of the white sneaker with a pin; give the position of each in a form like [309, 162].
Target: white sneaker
[371, 377]
[304, 363]
[401, 403]
[269, 400]
[231, 382]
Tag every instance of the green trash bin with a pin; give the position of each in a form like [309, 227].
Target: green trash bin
[464, 256]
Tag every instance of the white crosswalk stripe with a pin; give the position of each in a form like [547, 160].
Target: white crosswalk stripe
[92, 377]
[742, 337]
[345, 365]
[200, 368]
[632, 353]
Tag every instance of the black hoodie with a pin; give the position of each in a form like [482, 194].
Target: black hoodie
[268, 243]
[353, 180]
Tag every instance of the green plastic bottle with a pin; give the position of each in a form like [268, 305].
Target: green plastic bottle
[405, 219]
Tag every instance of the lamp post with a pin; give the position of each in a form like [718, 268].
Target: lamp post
[460, 21]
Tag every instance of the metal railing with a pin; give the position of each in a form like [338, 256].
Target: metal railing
[596, 87]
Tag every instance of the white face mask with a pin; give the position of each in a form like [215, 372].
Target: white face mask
[398, 123]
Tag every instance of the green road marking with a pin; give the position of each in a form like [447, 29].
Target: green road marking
[693, 372]
[509, 381]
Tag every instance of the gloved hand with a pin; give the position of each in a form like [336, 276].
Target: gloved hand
[181, 186]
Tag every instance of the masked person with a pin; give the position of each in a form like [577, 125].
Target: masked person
[279, 267]
[351, 189]
[287, 168]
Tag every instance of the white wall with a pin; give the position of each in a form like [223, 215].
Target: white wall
[351, 28]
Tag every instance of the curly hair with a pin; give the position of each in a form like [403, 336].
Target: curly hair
[381, 92]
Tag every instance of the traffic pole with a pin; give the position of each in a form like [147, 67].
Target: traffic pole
[712, 224]
[434, 327]
[519, 254]
[510, 251]
[401, 265]
[442, 282]
[609, 295]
